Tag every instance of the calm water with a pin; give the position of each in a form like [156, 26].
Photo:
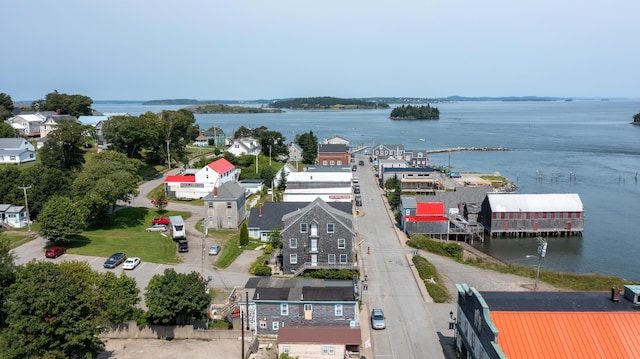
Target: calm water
[591, 139]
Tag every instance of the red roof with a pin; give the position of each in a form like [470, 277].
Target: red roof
[428, 211]
[541, 335]
[430, 208]
[221, 166]
[320, 335]
[180, 179]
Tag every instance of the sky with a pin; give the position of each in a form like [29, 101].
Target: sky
[257, 49]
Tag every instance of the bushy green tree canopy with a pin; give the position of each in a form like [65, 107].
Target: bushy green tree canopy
[6, 106]
[176, 298]
[53, 313]
[64, 148]
[74, 105]
[309, 144]
[62, 219]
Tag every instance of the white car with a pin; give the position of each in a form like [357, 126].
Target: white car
[131, 263]
[355, 179]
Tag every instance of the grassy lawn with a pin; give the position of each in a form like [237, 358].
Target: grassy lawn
[15, 239]
[126, 233]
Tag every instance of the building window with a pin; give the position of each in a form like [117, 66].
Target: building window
[263, 324]
[343, 259]
[332, 163]
[338, 310]
[324, 163]
[228, 205]
[275, 326]
[308, 307]
[341, 243]
[331, 259]
[330, 227]
[303, 228]
[284, 309]
[210, 204]
[293, 258]
[12, 158]
[293, 243]
[339, 163]
[328, 350]
[229, 221]
[285, 348]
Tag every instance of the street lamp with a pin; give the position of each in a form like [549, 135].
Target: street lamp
[542, 251]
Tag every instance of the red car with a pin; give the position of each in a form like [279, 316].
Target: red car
[162, 220]
[54, 251]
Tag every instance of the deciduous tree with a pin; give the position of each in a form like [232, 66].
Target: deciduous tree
[6, 106]
[7, 275]
[107, 178]
[61, 219]
[118, 297]
[6, 131]
[64, 149]
[130, 135]
[176, 298]
[74, 105]
[53, 313]
[309, 144]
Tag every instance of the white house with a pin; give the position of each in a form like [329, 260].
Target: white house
[307, 186]
[13, 216]
[336, 140]
[244, 146]
[286, 169]
[202, 183]
[51, 122]
[27, 124]
[16, 150]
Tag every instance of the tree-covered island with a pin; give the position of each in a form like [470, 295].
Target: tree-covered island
[327, 103]
[220, 108]
[409, 112]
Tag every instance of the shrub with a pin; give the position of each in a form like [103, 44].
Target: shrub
[448, 249]
[263, 271]
[268, 249]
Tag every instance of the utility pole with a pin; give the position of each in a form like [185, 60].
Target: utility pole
[26, 204]
[168, 154]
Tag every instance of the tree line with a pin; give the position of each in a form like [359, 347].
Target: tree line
[310, 103]
[409, 112]
[50, 310]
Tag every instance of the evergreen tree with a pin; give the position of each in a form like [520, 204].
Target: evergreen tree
[244, 235]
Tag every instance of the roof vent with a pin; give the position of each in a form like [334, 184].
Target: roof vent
[615, 294]
[301, 296]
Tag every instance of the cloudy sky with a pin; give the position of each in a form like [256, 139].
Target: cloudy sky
[258, 49]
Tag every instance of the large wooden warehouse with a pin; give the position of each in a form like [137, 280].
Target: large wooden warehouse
[518, 215]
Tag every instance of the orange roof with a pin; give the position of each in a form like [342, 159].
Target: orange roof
[221, 166]
[180, 179]
[524, 335]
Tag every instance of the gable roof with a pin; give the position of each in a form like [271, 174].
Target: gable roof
[552, 202]
[227, 191]
[339, 216]
[221, 166]
[272, 212]
[320, 335]
[11, 143]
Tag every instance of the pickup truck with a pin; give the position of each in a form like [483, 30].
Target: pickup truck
[164, 220]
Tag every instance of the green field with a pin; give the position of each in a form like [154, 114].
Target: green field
[126, 233]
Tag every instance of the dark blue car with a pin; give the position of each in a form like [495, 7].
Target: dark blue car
[115, 260]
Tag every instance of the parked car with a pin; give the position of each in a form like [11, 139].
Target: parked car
[361, 163]
[356, 189]
[131, 263]
[355, 179]
[377, 319]
[164, 220]
[183, 246]
[354, 168]
[115, 260]
[358, 200]
[214, 250]
[157, 228]
[55, 251]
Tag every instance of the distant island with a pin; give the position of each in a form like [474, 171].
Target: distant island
[327, 103]
[409, 112]
[220, 108]
[171, 102]
[636, 119]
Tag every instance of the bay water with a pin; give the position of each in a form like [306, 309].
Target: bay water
[586, 147]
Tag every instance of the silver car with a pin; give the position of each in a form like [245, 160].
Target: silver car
[377, 319]
[157, 228]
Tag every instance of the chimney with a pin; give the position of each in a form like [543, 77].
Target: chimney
[215, 191]
[260, 209]
[615, 294]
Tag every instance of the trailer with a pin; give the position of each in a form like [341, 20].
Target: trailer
[177, 227]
